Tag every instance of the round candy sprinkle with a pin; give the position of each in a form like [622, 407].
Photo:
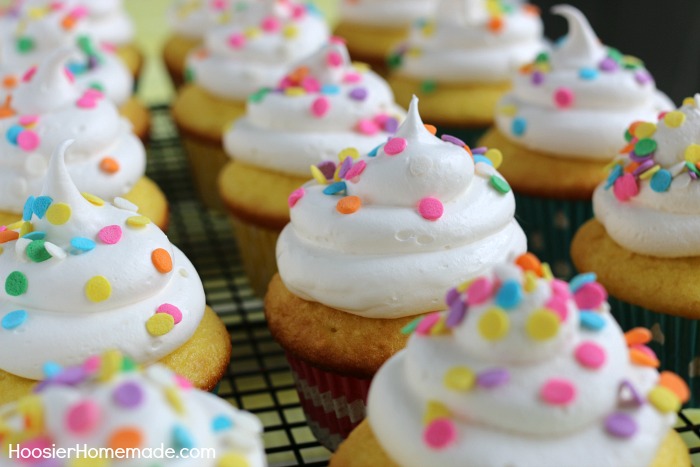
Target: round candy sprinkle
[495, 156]
[664, 400]
[94, 200]
[499, 184]
[128, 395]
[588, 73]
[580, 280]
[348, 204]
[440, 433]
[138, 221]
[356, 170]
[620, 425]
[493, 378]
[16, 284]
[162, 260]
[564, 97]
[36, 251]
[454, 140]
[529, 262]
[51, 369]
[674, 119]
[542, 325]
[14, 319]
[172, 310]
[459, 378]
[430, 208]
[295, 196]
[519, 126]
[358, 94]
[41, 205]
[236, 40]
[83, 417]
[458, 310]
[320, 106]
[82, 244]
[58, 213]
[425, 325]
[558, 392]
[330, 89]
[675, 384]
[334, 59]
[232, 459]
[221, 423]
[344, 167]
[110, 235]
[160, 324]
[479, 291]
[28, 140]
[318, 175]
[494, 324]
[352, 153]
[692, 153]
[125, 438]
[367, 127]
[645, 130]
[591, 321]
[608, 64]
[590, 296]
[13, 132]
[395, 146]
[638, 336]
[98, 289]
[28, 209]
[645, 146]
[590, 355]
[327, 168]
[509, 295]
[55, 250]
[625, 187]
[109, 165]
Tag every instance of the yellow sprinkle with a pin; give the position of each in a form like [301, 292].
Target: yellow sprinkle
[649, 173]
[32, 411]
[26, 228]
[414, 52]
[58, 213]
[224, 18]
[495, 156]
[494, 324]
[435, 410]
[232, 459]
[692, 153]
[361, 67]
[547, 271]
[509, 110]
[290, 31]
[459, 378]
[36, 13]
[251, 32]
[544, 67]
[674, 119]
[89, 462]
[318, 175]
[632, 60]
[96, 200]
[336, 174]
[439, 328]
[2, 250]
[173, 397]
[612, 164]
[645, 130]
[429, 28]
[295, 91]
[348, 152]
[664, 400]
[530, 281]
[110, 365]
[463, 286]
[542, 325]
[138, 221]
[98, 289]
[15, 225]
[160, 324]
[689, 101]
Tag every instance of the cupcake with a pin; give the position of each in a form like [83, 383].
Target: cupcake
[38, 31]
[82, 276]
[559, 127]
[461, 59]
[253, 51]
[373, 27]
[643, 244]
[364, 255]
[110, 402]
[324, 106]
[524, 370]
[46, 107]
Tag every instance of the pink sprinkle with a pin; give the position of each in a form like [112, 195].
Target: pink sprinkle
[92, 364]
[295, 197]
[334, 58]
[479, 291]
[86, 103]
[93, 94]
[352, 77]
[298, 11]
[41, 443]
[427, 323]
[430, 208]
[108, 47]
[558, 392]
[590, 355]
[661, 115]
[625, 187]
[69, 75]
[270, 24]
[381, 119]
[83, 417]
[183, 383]
[320, 106]
[3, 228]
[236, 40]
[110, 234]
[356, 170]
[26, 120]
[219, 4]
[171, 310]
[367, 127]
[564, 97]
[395, 146]
[440, 433]
[28, 140]
[286, 82]
[560, 289]
[310, 84]
[646, 350]
[590, 296]
[78, 12]
[336, 40]
[558, 306]
[29, 74]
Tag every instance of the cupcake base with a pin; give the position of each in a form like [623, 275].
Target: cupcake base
[175, 53]
[132, 57]
[371, 44]
[256, 245]
[139, 116]
[206, 159]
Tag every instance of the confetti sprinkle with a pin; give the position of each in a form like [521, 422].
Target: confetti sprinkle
[162, 260]
[542, 325]
[160, 324]
[14, 319]
[590, 355]
[395, 146]
[348, 205]
[58, 213]
[558, 392]
[83, 417]
[440, 433]
[620, 425]
[98, 289]
[16, 284]
[128, 395]
[295, 196]
[430, 208]
[459, 378]
[110, 235]
[494, 324]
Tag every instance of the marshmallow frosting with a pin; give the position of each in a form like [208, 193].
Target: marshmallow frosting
[385, 13]
[47, 107]
[108, 402]
[256, 47]
[323, 105]
[523, 370]
[470, 41]
[649, 204]
[377, 236]
[82, 276]
[193, 18]
[577, 99]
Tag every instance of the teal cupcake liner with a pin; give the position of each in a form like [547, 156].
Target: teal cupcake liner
[470, 136]
[550, 225]
[675, 341]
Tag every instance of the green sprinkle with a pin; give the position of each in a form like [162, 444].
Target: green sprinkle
[542, 57]
[394, 61]
[189, 75]
[97, 86]
[128, 364]
[615, 54]
[628, 136]
[645, 146]
[692, 167]
[25, 45]
[428, 86]
[499, 184]
[410, 327]
[85, 45]
[16, 284]
[36, 251]
[259, 95]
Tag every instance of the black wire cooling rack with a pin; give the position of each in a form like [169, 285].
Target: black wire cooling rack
[258, 378]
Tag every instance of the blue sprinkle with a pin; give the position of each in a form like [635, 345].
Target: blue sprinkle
[479, 158]
[509, 295]
[76, 68]
[373, 152]
[335, 188]
[28, 209]
[182, 439]
[330, 89]
[311, 8]
[615, 173]
[41, 204]
[519, 126]
[591, 320]
[13, 133]
[588, 73]
[581, 280]
[51, 369]
[82, 244]
[221, 423]
[36, 235]
[14, 319]
[661, 181]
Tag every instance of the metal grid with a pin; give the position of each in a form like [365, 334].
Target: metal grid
[258, 379]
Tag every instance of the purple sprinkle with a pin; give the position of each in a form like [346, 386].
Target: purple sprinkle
[620, 425]
[70, 376]
[643, 77]
[537, 78]
[643, 167]
[327, 168]
[452, 295]
[358, 94]
[693, 175]
[453, 140]
[391, 125]
[636, 158]
[480, 150]
[92, 62]
[41, 386]
[458, 310]
[631, 398]
[344, 167]
[608, 64]
[493, 378]
[128, 395]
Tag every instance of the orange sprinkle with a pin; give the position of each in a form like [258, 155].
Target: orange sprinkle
[299, 74]
[531, 9]
[6, 108]
[201, 54]
[126, 438]
[8, 235]
[109, 165]
[631, 167]
[676, 384]
[628, 148]
[633, 126]
[496, 24]
[638, 336]
[68, 23]
[526, 69]
[9, 81]
[529, 262]
[640, 358]
[348, 204]
[469, 150]
[161, 260]
[430, 128]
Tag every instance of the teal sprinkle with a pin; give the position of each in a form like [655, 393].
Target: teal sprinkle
[410, 327]
[581, 280]
[615, 173]
[259, 95]
[335, 188]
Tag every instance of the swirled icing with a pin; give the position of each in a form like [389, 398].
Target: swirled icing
[82, 276]
[649, 204]
[324, 105]
[385, 13]
[106, 396]
[193, 18]
[427, 216]
[576, 100]
[526, 362]
[256, 48]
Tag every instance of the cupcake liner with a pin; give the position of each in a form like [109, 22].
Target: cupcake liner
[333, 404]
[256, 246]
[675, 341]
[550, 225]
[206, 159]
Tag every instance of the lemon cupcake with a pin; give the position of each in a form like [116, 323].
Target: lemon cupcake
[524, 370]
[324, 109]
[82, 276]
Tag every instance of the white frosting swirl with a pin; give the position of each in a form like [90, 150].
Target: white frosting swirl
[660, 216]
[385, 13]
[159, 408]
[49, 108]
[288, 132]
[387, 259]
[256, 48]
[193, 18]
[470, 41]
[80, 289]
[544, 398]
[108, 21]
[581, 88]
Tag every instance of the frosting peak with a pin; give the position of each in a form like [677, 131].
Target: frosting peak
[581, 47]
